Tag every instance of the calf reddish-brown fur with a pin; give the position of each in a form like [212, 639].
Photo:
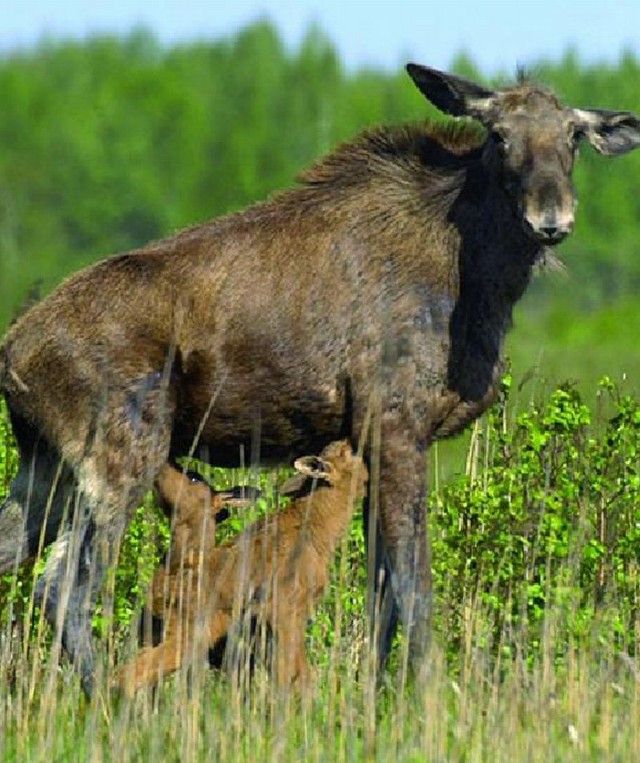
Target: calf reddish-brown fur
[392, 271]
[277, 570]
[195, 510]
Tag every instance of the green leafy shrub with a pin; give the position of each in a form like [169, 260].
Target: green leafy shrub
[547, 535]
[544, 538]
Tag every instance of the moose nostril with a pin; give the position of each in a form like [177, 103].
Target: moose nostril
[549, 228]
[554, 233]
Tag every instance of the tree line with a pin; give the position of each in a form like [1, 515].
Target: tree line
[110, 142]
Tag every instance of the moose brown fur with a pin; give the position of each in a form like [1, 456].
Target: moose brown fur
[276, 570]
[389, 275]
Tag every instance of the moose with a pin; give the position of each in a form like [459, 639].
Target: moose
[276, 570]
[383, 282]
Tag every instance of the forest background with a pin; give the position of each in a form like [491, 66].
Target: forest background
[108, 143]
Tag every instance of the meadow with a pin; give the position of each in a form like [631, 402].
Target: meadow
[534, 657]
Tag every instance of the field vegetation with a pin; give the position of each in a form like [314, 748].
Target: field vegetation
[535, 654]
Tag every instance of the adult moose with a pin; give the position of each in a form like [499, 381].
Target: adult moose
[391, 271]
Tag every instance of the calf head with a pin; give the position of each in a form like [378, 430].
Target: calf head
[336, 465]
[190, 496]
[532, 143]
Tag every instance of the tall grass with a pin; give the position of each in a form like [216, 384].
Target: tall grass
[535, 647]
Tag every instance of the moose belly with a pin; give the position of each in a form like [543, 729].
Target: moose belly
[267, 421]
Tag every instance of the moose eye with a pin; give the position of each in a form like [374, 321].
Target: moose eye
[578, 135]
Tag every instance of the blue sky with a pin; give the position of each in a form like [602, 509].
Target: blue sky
[497, 34]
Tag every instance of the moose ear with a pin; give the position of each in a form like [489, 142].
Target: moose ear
[612, 133]
[454, 95]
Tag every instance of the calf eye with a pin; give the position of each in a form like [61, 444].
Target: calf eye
[316, 464]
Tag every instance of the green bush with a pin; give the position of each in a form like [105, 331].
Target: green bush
[543, 538]
[547, 535]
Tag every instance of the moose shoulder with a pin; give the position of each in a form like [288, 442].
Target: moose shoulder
[392, 270]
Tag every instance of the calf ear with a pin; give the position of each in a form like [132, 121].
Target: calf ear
[612, 133]
[454, 95]
[308, 468]
[238, 496]
[315, 467]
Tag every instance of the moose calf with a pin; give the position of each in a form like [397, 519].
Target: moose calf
[276, 570]
[195, 509]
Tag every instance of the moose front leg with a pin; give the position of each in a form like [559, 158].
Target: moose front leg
[402, 547]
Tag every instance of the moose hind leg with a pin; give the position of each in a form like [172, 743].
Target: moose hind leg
[72, 579]
[130, 446]
[38, 500]
[67, 591]
[14, 545]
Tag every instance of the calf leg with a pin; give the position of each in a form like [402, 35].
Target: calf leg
[152, 662]
[291, 665]
[181, 642]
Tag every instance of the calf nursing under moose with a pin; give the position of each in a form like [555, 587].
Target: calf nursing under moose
[275, 571]
[390, 274]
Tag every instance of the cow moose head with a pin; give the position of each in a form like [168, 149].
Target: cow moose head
[532, 143]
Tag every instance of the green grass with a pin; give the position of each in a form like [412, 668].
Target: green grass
[585, 712]
[536, 568]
